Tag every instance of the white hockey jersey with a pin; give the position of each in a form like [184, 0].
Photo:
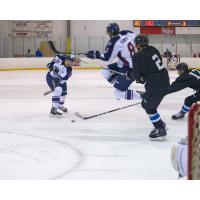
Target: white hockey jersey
[121, 47]
[60, 71]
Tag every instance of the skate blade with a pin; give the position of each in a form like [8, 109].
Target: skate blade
[79, 115]
[65, 112]
[55, 116]
[178, 118]
[159, 139]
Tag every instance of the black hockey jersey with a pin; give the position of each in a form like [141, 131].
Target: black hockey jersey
[148, 65]
[189, 79]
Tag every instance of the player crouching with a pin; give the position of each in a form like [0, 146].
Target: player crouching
[60, 71]
[187, 78]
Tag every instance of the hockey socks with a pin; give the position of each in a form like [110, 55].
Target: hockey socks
[185, 109]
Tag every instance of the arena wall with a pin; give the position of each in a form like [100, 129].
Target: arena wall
[41, 63]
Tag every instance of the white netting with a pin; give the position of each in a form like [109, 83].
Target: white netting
[173, 61]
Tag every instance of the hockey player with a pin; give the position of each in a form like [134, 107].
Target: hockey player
[60, 71]
[187, 78]
[148, 69]
[120, 46]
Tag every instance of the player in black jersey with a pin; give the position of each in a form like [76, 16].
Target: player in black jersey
[148, 68]
[187, 78]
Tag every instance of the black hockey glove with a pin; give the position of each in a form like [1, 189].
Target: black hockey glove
[141, 80]
[93, 54]
[55, 69]
[50, 66]
[128, 76]
[69, 72]
[57, 80]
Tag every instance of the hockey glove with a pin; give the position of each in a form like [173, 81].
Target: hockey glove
[50, 66]
[141, 80]
[55, 69]
[69, 72]
[128, 76]
[57, 80]
[93, 54]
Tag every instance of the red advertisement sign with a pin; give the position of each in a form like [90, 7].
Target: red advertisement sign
[158, 30]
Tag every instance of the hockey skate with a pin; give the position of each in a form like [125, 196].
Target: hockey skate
[54, 112]
[158, 134]
[64, 109]
[179, 115]
[164, 126]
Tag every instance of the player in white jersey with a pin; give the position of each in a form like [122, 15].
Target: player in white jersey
[120, 46]
[56, 78]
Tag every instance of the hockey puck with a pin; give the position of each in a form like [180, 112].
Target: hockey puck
[73, 120]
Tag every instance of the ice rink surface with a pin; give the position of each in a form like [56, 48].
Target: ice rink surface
[115, 146]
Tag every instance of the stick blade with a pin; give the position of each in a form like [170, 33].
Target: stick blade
[79, 115]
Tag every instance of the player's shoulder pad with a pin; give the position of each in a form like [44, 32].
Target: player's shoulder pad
[112, 41]
[151, 49]
[124, 32]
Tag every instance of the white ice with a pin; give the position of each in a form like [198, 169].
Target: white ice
[112, 146]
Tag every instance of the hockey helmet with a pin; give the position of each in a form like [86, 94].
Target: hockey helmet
[112, 29]
[182, 67]
[71, 57]
[59, 59]
[142, 40]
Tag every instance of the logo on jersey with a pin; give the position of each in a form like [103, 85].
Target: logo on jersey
[122, 41]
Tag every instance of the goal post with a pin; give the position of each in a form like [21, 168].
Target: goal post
[194, 142]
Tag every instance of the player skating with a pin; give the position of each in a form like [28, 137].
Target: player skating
[187, 78]
[148, 69]
[120, 46]
[60, 71]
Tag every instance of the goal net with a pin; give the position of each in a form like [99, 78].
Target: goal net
[194, 142]
[173, 61]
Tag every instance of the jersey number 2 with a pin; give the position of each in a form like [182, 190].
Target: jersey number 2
[157, 62]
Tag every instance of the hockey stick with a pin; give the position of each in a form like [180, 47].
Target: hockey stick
[53, 48]
[111, 70]
[104, 113]
[48, 92]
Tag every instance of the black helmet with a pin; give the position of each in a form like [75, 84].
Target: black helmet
[182, 67]
[112, 29]
[142, 40]
[61, 57]
[70, 57]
